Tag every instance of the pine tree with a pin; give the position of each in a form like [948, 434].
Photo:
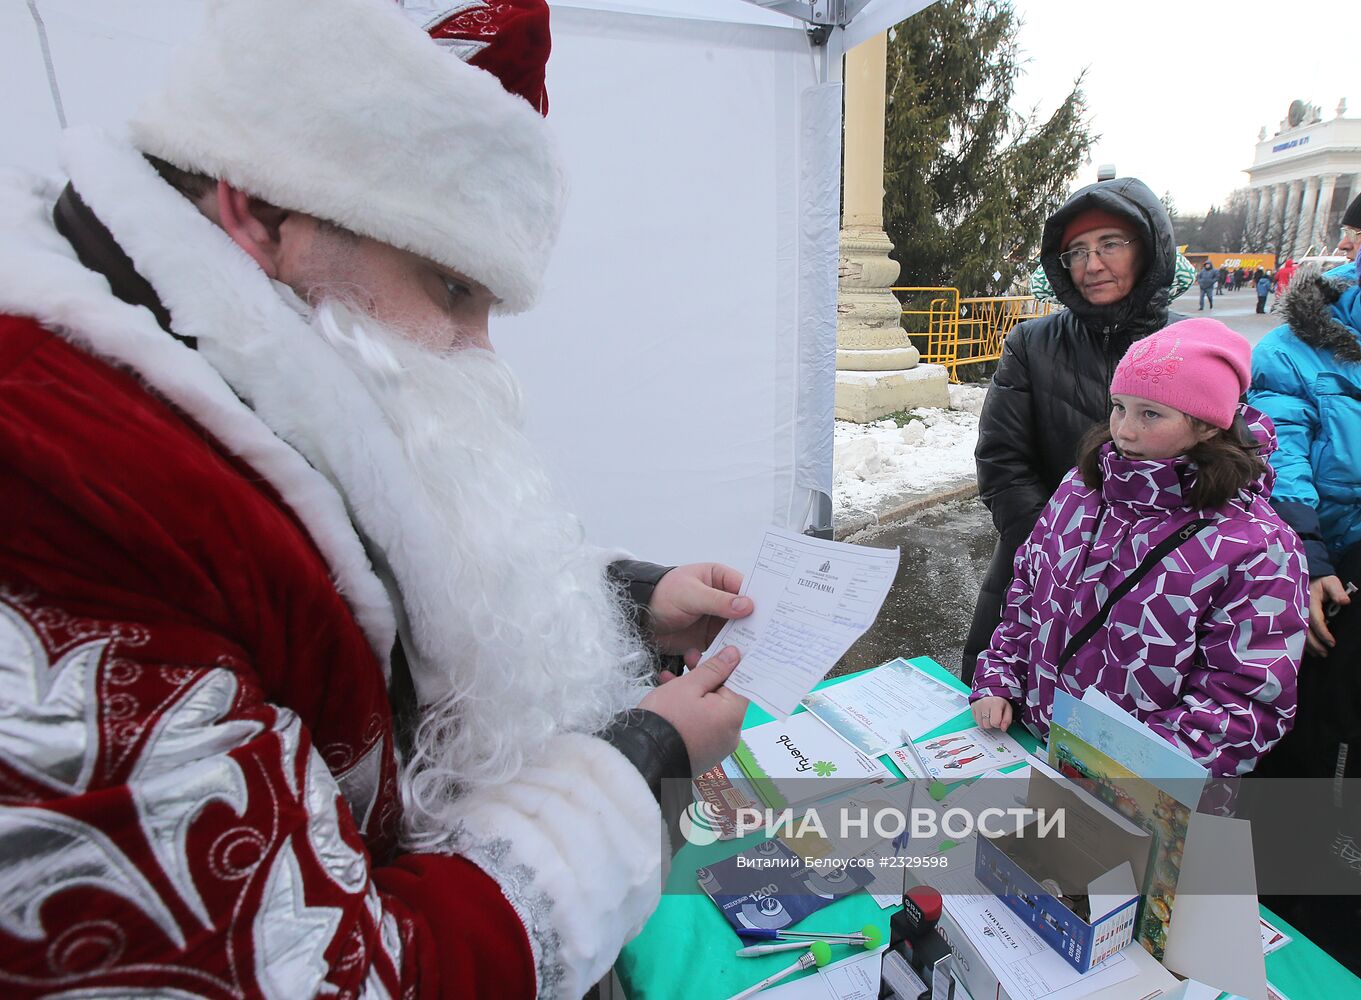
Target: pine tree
[968, 182]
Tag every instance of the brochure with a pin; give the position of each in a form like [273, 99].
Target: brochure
[908, 762]
[967, 753]
[798, 760]
[721, 791]
[886, 707]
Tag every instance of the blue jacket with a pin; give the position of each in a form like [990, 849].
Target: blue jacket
[1207, 279]
[1343, 272]
[1306, 376]
[1264, 285]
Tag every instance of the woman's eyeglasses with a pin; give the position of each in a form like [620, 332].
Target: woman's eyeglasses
[1106, 250]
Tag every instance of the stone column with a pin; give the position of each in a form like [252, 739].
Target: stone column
[1272, 241]
[877, 366]
[1318, 232]
[1258, 206]
[1304, 227]
[1290, 223]
[1263, 219]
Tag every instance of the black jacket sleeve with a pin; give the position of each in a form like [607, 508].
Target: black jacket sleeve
[1008, 482]
[1304, 519]
[638, 580]
[652, 745]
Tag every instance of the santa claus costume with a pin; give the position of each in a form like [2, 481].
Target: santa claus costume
[201, 592]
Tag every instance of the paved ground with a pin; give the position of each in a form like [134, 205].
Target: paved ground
[946, 547]
[1236, 310]
[945, 551]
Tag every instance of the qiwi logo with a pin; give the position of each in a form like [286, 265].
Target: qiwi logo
[699, 823]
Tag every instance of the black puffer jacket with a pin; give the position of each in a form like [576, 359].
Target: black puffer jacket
[1053, 383]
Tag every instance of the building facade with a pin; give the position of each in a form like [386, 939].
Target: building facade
[1301, 180]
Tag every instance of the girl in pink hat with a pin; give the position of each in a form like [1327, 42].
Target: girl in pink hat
[1158, 573]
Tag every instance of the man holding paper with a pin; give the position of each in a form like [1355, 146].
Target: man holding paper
[311, 685]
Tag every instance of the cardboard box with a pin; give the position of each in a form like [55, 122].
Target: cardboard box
[1098, 864]
[982, 982]
[970, 967]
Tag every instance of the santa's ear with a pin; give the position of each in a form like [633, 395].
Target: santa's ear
[253, 225]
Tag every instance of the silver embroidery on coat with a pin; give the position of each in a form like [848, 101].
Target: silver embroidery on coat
[45, 852]
[183, 767]
[291, 937]
[359, 784]
[429, 13]
[45, 728]
[530, 903]
[347, 867]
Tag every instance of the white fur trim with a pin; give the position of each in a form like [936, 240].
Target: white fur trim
[347, 111]
[40, 277]
[245, 328]
[577, 844]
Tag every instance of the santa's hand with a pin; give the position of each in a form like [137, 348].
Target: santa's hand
[992, 713]
[691, 603]
[706, 714]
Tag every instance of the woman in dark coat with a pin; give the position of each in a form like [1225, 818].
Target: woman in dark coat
[1110, 255]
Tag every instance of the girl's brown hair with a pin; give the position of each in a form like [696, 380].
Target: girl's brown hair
[1226, 464]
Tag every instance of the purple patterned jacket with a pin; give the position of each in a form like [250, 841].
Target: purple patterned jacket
[1205, 649]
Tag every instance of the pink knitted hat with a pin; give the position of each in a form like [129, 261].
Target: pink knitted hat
[1198, 366]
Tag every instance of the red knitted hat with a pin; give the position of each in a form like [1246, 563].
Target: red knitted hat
[1093, 218]
[1198, 366]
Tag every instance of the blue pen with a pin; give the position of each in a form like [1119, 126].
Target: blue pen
[770, 934]
[901, 842]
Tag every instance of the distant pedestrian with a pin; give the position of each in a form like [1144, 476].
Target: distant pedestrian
[1221, 279]
[1283, 276]
[1207, 279]
[1204, 648]
[1263, 290]
[1228, 281]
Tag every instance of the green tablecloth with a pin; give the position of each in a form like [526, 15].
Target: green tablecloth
[686, 951]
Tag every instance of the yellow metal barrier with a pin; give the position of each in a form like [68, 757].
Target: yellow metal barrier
[928, 315]
[960, 331]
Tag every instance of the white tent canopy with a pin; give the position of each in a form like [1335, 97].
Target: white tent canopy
[680, 367]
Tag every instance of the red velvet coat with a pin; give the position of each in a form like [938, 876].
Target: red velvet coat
[173, 650]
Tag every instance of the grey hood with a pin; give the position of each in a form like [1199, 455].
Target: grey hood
[1144, 309]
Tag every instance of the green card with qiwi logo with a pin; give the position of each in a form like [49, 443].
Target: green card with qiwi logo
[798, 760]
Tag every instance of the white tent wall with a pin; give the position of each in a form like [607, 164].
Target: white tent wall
[665, 368]
[679, 368]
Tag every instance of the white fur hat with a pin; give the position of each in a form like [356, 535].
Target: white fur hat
[348, 110]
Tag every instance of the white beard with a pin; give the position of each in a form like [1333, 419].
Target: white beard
[533, 639]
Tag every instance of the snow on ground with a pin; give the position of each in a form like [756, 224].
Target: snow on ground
[872, 463]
